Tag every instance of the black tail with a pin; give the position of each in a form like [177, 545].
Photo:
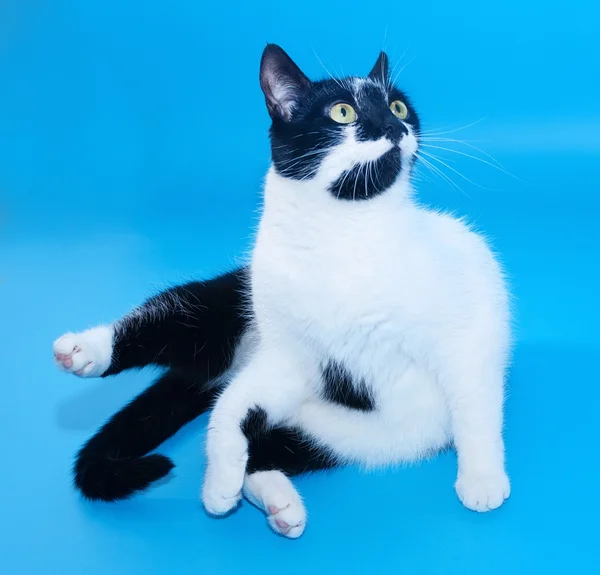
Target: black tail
[114, 464]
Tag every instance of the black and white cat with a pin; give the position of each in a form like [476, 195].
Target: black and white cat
[365, 329]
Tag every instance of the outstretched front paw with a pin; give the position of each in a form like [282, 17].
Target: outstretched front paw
[86, 354]
[482, 491]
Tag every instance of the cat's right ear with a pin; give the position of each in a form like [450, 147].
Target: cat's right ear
[282, 82]
[380, 72]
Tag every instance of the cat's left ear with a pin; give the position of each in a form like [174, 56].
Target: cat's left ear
[282, 82]
[380, 71]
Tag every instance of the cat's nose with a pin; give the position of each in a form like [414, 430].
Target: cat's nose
[394, 130]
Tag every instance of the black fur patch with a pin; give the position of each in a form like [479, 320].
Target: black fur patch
[283, 448]
[368, 180]
[114, 463]
[338, 387]
[193, 327]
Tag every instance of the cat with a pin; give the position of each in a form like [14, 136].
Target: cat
[364, 330]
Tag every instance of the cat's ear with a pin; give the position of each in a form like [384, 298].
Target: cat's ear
[380, 71]
[282, 82]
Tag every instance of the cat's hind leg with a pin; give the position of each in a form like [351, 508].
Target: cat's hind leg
[273, 381]
[276, 452]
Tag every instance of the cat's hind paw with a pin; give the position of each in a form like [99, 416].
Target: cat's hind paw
[275, 494]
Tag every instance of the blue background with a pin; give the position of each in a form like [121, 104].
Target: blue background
[132, 149]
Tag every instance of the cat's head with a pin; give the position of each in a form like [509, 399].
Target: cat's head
[356, 136]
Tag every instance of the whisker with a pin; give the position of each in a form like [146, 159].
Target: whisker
[435, 158]
[496, 165]
[326, 70]
[427, 138]
[419, 175]
[347, 84]
[436, 171]
[385, 37]
[378, 175]
[346, 175]
[391, 75]
[302, 135]
[402, 69]
[466, 143]
[356, 181]
[307, 176]
[305, 155]
[430, 133]
[288, 171]
[337, 196]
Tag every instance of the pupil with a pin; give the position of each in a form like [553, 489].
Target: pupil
[398, 108]
[343, 112]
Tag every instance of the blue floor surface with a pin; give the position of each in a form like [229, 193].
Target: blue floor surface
[125, 166]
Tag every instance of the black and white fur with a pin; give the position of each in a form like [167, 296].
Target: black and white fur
[364, 329]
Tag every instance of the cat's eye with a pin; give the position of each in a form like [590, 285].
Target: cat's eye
[399, 109]
[342, 114]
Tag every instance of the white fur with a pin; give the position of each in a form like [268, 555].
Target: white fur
[87, 353]
[274, 493]
[409, 300]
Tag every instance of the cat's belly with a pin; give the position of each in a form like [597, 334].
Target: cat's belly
[410, 421]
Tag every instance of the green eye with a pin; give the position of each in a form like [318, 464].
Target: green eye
[399, 109]
[342, 114]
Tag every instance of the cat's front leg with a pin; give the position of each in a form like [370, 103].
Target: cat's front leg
[272, 382]
[475, 396]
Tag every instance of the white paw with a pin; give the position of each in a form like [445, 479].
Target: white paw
[219, 501]
[275, 494]
[482, 491]
[223, 482]
[86, 354]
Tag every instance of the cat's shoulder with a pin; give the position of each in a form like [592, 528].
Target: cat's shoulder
[447, 220]
[454, 229]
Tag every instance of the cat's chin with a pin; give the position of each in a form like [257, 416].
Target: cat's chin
[369, 179]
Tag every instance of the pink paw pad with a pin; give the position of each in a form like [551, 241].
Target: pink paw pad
[66, 359]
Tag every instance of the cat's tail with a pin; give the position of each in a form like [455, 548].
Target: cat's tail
[114, 464]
